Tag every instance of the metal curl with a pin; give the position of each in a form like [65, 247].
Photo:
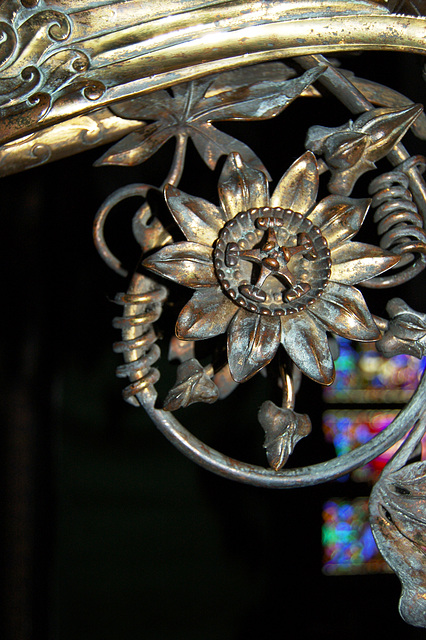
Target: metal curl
[115, 198]
[232, 469]
[399, 223]
[142, 307]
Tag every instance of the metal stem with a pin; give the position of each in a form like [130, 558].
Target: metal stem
[176, 170]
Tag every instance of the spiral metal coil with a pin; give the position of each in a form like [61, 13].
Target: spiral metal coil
[399, 223]
[142, 307]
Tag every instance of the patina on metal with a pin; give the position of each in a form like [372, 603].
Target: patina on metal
[272, 275]
[398, 522]
[63, 58]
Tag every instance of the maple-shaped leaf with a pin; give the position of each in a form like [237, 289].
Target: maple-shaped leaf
[251, 93]
[354, 148]
[192, 385]
[283, 429]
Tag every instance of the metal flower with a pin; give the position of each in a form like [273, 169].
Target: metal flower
[272, 270]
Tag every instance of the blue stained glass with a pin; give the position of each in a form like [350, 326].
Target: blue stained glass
[348, 543]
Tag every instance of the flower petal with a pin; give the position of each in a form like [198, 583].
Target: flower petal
[298, 188]
[307, 345]
[241, 187]
[354, 262]
[339, 217]
[344, 311]
[187, 263]
[252, 342]
[206, 315]
[199, 220]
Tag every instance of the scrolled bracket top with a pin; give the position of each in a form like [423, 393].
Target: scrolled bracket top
[62, 58]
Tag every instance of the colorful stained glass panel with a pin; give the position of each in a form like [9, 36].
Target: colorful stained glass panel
[364, 375]
[348, 544]
[347, 429]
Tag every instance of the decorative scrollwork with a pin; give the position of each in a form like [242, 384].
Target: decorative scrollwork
[13, 90]
[270, 270]
[399, 223]
[397, 516]
[37, 106]
[142, 308]
[8, 43]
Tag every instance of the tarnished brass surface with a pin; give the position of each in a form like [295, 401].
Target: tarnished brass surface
[398, 520]
[72, 136]
[60, 59]
[272, 274]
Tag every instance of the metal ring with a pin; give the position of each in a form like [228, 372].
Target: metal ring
[227, 467]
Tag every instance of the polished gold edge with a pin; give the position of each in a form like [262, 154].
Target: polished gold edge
[103, 69]
[67, 138]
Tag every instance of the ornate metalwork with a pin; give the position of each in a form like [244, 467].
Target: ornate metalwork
[274, 273]
[397, 514]
[281, 269]
[64, 58]
[307, 251]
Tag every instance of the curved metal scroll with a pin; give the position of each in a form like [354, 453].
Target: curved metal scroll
[228, 467]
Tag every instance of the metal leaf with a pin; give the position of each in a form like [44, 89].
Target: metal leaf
[355, 261]
[187, 263]
[253, 93]
[283, 429]
[307, 345]
[256, 98]
[192, 385]
[298, 188]
[344, 311]
[397, 515]
[206, 315]
[385, 128]
[136, 147]
[252, 342]
[212, 144]
[339, 218]
[199, 220]
[188, 94]
[241, 187]
[153, 106]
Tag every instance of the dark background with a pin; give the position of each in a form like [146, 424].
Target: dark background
[108, 531]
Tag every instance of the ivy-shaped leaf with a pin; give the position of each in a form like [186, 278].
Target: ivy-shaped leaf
[283, 429]
[192, 385]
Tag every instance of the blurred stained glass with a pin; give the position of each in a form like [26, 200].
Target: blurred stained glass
[363, 375]
[347, 429]
[348, 544]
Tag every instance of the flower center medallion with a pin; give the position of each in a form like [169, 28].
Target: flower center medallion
[272, 261]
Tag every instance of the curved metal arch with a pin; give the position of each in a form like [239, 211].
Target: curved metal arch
[230, 468]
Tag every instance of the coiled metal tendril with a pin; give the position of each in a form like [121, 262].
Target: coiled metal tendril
[399, 223]
[142, 307]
